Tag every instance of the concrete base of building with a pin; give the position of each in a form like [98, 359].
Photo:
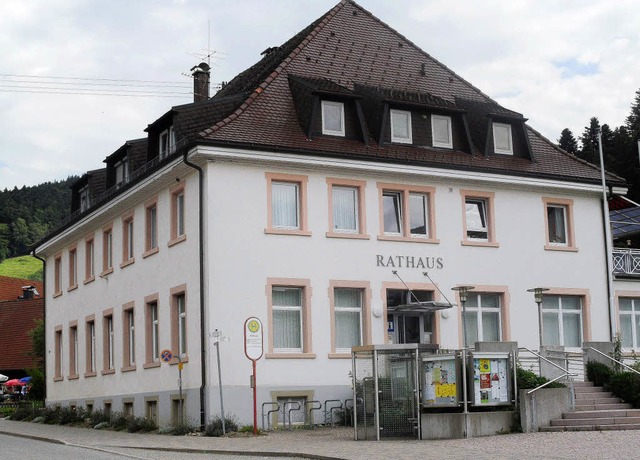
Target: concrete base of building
[476, 424]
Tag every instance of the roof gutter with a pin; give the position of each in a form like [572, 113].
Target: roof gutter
[203, 341]
[44, 318]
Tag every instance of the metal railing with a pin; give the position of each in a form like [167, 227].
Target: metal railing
[565, 370]
[626, 261]
[629, 368]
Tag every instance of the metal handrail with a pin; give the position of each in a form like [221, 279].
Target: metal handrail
[615, 360]
[566, 371]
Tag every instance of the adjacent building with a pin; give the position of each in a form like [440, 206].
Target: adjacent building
[313, 191]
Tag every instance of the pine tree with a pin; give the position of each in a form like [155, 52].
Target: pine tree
[589, 141]
[567, 142]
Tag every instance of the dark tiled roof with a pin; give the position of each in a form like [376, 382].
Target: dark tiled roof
[348, 46]
[11, 288]
[17, 318]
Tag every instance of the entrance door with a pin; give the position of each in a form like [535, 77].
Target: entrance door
[405, 325]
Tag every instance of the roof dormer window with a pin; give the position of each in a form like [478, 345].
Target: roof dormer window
[167, 142]
[441, 131]
[502, 140]
[333, 118]
[84, 198]
[122, 171]
[401, 126]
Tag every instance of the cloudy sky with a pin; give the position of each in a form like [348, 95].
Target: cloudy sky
[78, 77]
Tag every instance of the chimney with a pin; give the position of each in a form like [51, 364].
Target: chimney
[28, 292]
[200, 82]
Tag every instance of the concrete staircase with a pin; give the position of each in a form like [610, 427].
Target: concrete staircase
[596, 410]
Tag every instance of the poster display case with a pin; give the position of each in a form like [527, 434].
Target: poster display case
[490, 375]
[440, 381]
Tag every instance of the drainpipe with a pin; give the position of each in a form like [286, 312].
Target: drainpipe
[44, 317]
[607, 243]
[203, 341]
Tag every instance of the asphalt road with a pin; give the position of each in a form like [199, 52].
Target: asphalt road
[12, 447]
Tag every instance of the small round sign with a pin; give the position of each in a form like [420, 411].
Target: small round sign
[253, 338]
[166, 355]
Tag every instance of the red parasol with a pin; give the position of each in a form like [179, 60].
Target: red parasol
[14, 383]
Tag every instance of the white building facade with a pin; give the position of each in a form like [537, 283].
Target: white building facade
[321, 244]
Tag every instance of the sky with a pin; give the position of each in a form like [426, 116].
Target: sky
[79, 77]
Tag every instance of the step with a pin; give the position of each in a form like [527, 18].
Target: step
[588, 390]
[582, 384]
[594, 395]
[596, 421]
[592, 407]
[597, 401]
[616, 413]
[590, 428]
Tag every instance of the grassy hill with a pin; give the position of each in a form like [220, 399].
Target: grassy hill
[26, 267]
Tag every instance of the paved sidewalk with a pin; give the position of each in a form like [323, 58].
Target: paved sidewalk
[338, 443]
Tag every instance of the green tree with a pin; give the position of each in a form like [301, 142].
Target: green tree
[589, 141]
[38, 348]
[567, 142]
[4, 241]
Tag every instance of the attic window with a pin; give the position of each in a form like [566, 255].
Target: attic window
[122, 171]
[401, 126]
[84, 198]
[502, 141]
[333, 118]
[441, 131]
[167, 142]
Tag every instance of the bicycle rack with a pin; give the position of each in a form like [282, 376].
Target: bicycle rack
[348, 411]
[331, 410]
[309, 411]
[277, 409]
[295, 405]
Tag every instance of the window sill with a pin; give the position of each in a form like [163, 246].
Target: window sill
[353, 236]
[128, 368]
[150, 365]
[90, 374]
[73, 377]
[106, 272]
[89, 280]
[57, 294]
[150, 252]
[126, 263]
[290, 356]
[282, 231]
[108, 371]
[549, 247]
[72, 288]
[58, 379]
[339, 355]
[408, 239]
[177, 240]
[486, 244]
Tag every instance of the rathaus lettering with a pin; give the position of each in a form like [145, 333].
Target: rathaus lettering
[409, 262]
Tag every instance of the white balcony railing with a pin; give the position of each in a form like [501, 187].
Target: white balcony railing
[626, 261]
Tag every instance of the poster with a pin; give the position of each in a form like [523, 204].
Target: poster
[440, 386]
[490, 380]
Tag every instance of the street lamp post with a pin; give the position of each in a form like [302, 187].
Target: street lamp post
[537, 293]
[463, 291]
[462, 295]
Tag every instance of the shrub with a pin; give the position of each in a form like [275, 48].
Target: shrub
[99, 416]
[626, 385]
[214, 427]
[119, 421]
[23, 412]
[182, 428]
[599, 373]
[527, 380]
[136, 424]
